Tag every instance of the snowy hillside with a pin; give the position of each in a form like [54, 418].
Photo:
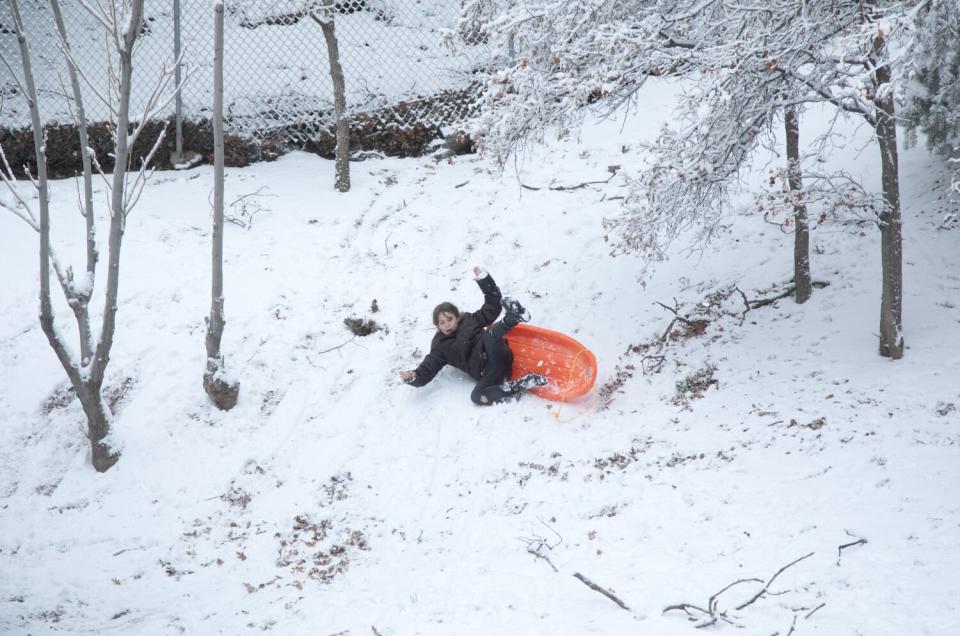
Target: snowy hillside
[336, 500]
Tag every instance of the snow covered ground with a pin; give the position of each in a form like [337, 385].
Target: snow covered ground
[336, 500]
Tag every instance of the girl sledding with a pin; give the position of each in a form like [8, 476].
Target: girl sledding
[463, 341]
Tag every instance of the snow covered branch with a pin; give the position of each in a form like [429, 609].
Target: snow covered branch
[711, 614]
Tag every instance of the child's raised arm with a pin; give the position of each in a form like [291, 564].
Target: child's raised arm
[491, 296]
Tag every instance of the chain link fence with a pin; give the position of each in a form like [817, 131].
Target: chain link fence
[276, 66]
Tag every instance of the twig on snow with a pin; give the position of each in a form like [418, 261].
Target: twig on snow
[536, 544]
[651, 363]
[596, 588]
[339, 346]
[712, 602]
[848, 545]
[766, 586]
[814, 611]
[675, 310]
[535, 551]
[790, 289]
[840, 549]
[685, 607]
[568, 188]
[256, 193]
[793, 625]
[129, 550]
[746, 303]
[245, 207]
[763, 302]
[263, 341]
[711, 615]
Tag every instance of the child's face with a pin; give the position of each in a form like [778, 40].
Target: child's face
[447, 323]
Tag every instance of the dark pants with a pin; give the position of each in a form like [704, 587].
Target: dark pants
[499, 360]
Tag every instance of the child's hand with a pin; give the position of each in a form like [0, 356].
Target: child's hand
[476, 270]
[407, 376]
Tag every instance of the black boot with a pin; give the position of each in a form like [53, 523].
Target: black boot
[524, 383]
[514, 312]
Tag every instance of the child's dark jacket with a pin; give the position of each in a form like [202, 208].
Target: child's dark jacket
[463, 348]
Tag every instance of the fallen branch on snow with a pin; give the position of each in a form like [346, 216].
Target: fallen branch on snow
[537, 543]
[568, 188]
[320, 353]
[712, 614]
[766, 587]
[815, 610]
[788, 291]
[593, 586]
[840, 549]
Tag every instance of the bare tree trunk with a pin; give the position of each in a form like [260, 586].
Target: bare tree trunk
[342, 180]
[98, 426]
[87, 387]
[118, 203]
[118, 220]
[122, 23]
[78, 295]
[891, 225]
[801, 245]
[223, 393]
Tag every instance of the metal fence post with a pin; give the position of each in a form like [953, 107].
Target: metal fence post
[178, 151]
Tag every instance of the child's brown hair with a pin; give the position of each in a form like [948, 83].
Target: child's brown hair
[444, 308]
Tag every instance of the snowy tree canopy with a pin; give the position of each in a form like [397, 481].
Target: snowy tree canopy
[933, 98]
[751, 60]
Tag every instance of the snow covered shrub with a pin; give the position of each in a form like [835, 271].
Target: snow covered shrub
[695, 385]
[361, 327]
[933, 97]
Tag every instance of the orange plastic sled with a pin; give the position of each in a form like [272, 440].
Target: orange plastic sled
[570, 368]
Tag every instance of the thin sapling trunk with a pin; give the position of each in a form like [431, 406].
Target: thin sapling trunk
[342, 178]
[221, 390]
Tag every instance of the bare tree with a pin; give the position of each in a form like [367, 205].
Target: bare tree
[326, 22]
[221, 389]
[122, 23]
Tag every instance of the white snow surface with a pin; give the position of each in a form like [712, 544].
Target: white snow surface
[334, 499]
